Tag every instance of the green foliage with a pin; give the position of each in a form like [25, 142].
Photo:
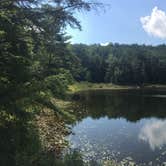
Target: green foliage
[58, 84]
[19, 142]
[34, 61]
[121, 64]
[34, 49]
[37, 63]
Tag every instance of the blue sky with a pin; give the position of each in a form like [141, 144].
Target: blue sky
[125, 21]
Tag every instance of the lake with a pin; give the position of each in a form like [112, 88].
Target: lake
[127, 126]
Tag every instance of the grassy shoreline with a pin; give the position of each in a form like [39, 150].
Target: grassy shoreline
[83, 86]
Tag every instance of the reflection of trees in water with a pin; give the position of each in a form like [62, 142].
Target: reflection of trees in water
[19, 140]
[131, 105]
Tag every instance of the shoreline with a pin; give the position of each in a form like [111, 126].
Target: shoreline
[52, 128]
[85, 86]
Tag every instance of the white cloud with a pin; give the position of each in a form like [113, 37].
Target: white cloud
[104, 44]
[154, 133]
[155, 24]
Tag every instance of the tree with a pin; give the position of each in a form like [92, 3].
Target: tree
[122, 64]
[33, 46]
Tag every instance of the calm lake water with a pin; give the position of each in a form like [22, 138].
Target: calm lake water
[127, 126]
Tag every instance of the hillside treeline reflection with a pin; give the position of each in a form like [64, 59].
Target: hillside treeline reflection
[133, 105]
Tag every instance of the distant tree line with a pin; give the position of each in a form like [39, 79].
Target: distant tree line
[121, 63]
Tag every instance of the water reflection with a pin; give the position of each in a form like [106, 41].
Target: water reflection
[120, 125]
[131, 105]
[154, 133]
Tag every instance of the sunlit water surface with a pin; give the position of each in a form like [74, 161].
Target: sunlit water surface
[126, 126]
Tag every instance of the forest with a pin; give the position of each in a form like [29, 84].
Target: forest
[121, 63]
[34, 57]
[35, 67]
[38, 63]
[37, 58]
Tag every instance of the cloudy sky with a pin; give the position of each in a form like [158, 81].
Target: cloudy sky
[124, 21]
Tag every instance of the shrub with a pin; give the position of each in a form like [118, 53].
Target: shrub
[58, 84]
